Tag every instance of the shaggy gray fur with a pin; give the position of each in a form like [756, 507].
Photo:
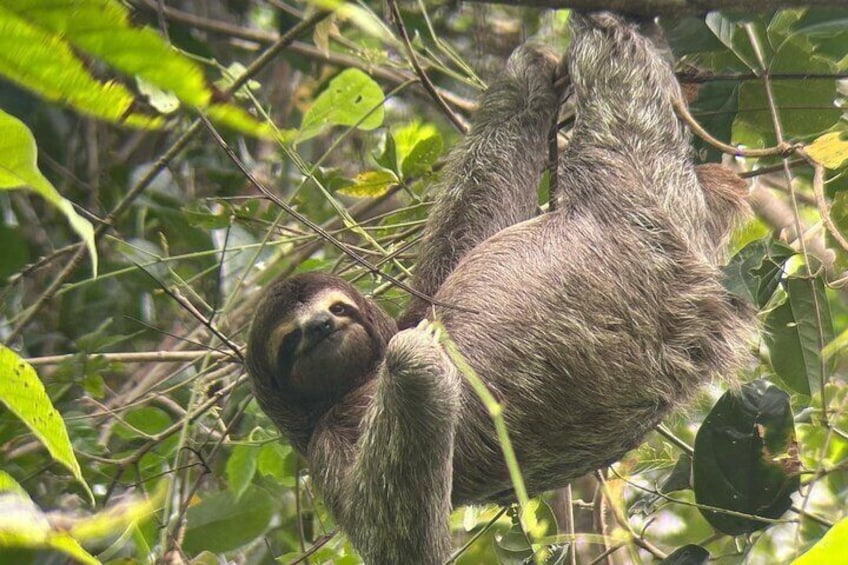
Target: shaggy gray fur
[589, 323]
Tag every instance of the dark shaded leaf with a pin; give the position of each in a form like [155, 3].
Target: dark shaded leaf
[687, 555]
[746, 458]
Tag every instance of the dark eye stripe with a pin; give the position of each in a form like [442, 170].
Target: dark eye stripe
[285, 357]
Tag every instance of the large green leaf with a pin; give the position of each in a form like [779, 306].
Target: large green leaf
[101, 28]
[795, 335]
[746, 458]
[23, 394]
[37, 43]
[44, 63]
[241, 466]
[351, 99]
[18, 169]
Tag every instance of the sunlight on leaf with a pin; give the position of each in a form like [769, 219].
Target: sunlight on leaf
[18, 169]
[45, 63]
[832, 548]
[351, 99]
[23, 394]
[831, 149]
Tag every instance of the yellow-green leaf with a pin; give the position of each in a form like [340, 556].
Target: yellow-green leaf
[24, 395]
[370, 184]
[831, 149]
[37, 50]
[23, 524]
[102, 29]
[832, 548]
[18, 169]
[44, 63]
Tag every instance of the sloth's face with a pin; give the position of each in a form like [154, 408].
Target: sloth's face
[324, 346]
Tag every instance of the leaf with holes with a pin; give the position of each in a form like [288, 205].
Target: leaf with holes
[746, 458]
[351, 99]
[24, 395]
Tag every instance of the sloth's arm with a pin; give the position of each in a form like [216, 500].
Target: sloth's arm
[628, 134]
[490, 180]
[398, 493]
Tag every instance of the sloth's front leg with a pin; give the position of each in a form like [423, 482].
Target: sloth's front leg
[401, 478]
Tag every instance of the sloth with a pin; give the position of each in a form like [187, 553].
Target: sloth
[588, 323]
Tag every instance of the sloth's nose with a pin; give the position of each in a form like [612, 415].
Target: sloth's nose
[319, 326]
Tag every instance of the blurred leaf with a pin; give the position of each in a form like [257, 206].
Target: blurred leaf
[220, 523]
[23, 524]
[210, 216]
[832, 548]
[148, 420]
[793, 335]
[370, 184]
[24, 395]
[831, 149]
[351, 99]
[15, 251]
[687, 555]
[241, 466]
[18, 169]
[746, 458]
[512, 548]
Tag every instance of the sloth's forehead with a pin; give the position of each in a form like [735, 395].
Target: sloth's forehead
[322, 300]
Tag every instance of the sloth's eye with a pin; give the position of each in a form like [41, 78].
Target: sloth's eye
[339, 309]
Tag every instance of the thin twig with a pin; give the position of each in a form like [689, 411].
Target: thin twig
[458, 122]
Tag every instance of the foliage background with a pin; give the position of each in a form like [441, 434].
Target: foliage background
[142, 361]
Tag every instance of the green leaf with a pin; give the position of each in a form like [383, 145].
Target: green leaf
[37, 44]
[746, 458]
[220, 523]
[832, 548]
[793, 335]
[43, 62]
[24, 395]
[805, 107]
[102, 29]
[416, 148]
[756, 271]
[18, 169]
[241, 466]
[271, 462]
[351, 99]
[420, 160]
